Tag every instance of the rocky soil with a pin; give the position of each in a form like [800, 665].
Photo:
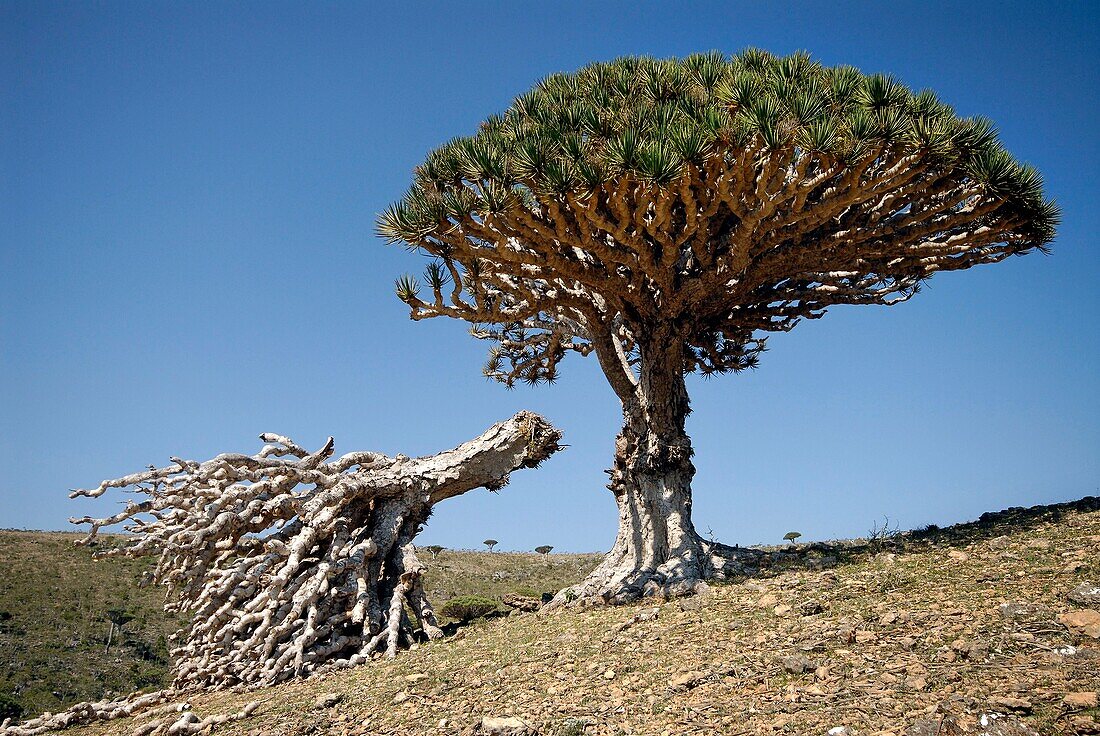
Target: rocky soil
[988, 628]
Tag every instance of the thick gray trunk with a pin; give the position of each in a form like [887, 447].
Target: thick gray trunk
[657, 550]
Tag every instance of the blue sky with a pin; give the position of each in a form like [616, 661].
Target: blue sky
[188, 190]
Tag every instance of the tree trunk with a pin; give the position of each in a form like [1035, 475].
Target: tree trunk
[288, 561]
[657, 550]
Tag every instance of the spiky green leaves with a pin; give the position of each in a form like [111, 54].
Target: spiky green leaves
[649, 119]
[407, 288]
[714, 197]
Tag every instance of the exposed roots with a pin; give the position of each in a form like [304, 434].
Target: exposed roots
[161, 713]
[617, 580]
[286, 561]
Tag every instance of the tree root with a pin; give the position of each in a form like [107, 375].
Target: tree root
[162, 712]
[617, 582]
[288, 562]
[159, 719]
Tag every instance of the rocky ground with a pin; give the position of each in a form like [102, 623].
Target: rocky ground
[988, 628]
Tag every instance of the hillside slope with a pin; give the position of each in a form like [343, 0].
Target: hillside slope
[920, 634]
[54, 607]
[56, 603]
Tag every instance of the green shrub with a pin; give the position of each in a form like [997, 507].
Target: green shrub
[468, 607]
[9, 708]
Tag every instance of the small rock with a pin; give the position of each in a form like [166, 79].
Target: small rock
[916, 682]
[767, 601]
[506, 726]
[818, 563]
[575, 725]
[1024, 612]
[327, 700]
[924, 727]
[1084, 724]
[401, 697]
[1085, 594]
[958, 555]
[781, 610]
[995, 724]
[415, 678]
[1085, 622]
[609, 675]
[865, 637]
[686, 679]
[699, 596]
[1084, 699]
[1009, 703]
[797, 664]
[839, 731]
[810, 608]
[521, 602]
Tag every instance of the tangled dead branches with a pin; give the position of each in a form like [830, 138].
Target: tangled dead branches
[288, 561]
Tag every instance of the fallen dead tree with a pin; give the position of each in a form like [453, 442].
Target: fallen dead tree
[290, 561]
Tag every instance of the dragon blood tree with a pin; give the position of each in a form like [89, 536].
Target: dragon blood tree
[666, 215]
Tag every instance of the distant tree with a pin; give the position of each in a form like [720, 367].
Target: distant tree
[544, 550]
[667, 215]
[490, 543]
[791, 536]
[434, 550]
[118, 618]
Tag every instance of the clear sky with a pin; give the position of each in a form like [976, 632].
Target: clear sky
[187, 259]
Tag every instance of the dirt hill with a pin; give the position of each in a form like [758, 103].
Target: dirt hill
[982, 628]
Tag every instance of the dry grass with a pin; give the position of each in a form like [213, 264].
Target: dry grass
[53, 646]
[900, 633]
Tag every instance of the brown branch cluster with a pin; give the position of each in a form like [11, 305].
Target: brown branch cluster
[712, 200]
[736, 248]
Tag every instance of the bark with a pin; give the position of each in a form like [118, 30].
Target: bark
[657, 550]
[160, 714]
[288, 562]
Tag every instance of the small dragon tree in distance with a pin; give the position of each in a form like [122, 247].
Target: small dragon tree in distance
[666, 215]
[490, 543]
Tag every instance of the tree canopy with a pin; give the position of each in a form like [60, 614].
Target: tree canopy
[716, 198]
